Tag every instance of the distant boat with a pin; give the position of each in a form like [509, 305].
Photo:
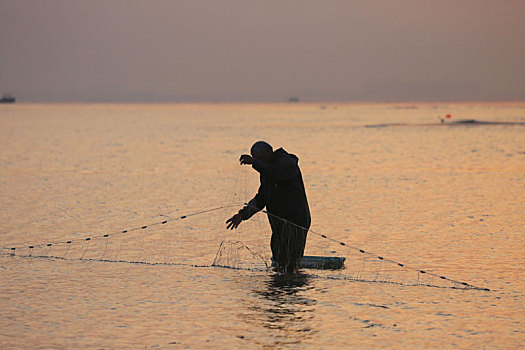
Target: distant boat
[8, 98]
[293, 99]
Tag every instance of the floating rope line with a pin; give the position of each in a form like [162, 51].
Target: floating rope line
[14, 247]
[232, 267]
[457, 284]
[126, 261]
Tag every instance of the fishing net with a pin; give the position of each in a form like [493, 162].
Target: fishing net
[200, 239]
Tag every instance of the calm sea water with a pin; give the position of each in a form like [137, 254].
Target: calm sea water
[448, 199]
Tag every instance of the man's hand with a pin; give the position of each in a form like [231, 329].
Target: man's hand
[246, 159]
[234, 221]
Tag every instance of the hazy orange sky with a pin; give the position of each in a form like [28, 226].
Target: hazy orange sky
[240, 50]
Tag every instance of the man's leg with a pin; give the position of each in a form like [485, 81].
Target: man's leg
[288, 242]
[296, 242]
[276, 242]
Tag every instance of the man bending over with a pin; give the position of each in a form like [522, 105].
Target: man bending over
[282, 193]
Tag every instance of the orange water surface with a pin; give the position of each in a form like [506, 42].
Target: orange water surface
[445, 198]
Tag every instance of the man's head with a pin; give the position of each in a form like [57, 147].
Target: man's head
[263, 151]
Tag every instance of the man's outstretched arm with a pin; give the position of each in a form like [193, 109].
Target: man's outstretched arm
[251, 208]
[255, 205]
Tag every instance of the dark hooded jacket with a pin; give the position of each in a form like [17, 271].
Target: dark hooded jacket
[281, 191]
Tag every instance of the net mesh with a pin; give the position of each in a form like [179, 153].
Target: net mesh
[199, 238]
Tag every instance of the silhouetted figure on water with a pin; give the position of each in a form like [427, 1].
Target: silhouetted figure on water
[282, 193]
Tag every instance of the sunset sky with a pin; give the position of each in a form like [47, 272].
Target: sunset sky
[242, 51]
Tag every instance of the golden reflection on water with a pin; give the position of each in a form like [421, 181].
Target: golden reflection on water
[448, 199]
[284, 310]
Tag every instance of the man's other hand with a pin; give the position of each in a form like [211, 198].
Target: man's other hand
[234, 221]
[246, 159]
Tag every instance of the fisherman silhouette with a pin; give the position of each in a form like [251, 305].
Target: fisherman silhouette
[282, 192]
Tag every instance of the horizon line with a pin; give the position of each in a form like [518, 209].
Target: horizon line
[304, 102]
